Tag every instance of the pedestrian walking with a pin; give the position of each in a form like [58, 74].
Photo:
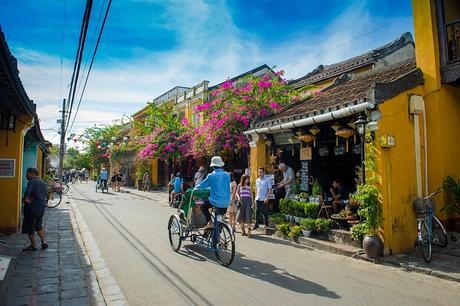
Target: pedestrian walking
[263, 191]
[34, 209]
[146, 181]
[119, 179]
[244, 213]
[171, 187]
[200, 175]
[288, 178]
[231, 210]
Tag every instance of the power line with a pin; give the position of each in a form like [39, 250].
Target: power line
[92, 41]
[62, 45]
[92, 61]
[78, 59]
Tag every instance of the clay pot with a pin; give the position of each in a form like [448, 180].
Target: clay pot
[373, 246]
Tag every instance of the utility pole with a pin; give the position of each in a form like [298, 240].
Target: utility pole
[62, 144]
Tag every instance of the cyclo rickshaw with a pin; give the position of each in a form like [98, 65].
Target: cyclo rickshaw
[189, 223]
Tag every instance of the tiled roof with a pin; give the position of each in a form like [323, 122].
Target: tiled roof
[253, 71]
[375, 86]
[325, 72]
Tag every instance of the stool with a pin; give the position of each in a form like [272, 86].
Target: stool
[324, 207]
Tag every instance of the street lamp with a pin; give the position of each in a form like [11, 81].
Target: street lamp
[360, 124]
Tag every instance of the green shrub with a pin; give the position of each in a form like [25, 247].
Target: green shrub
[284, 228]
[308, 224]
[295, 231]
[277, 218]
[285, 206]
[358, 231]
[316, 188]
[310, 210]
[323, 225]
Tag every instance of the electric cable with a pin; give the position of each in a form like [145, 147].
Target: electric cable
[92, 61]
[72, 92]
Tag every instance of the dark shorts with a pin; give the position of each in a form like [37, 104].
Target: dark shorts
[32, 222]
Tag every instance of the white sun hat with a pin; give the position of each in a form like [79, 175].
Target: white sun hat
[216, 161]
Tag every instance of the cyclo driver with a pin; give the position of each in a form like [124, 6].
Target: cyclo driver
[103, 177]
[219, 183]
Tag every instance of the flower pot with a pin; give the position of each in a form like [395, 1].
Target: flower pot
[296, 220]
[287, 217]
[373, 246]
[306, 233]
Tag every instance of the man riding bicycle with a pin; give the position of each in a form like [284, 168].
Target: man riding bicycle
[103, 177]
[219, 183]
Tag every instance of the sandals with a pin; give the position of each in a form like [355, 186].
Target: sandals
[29, 248]
[44, 245]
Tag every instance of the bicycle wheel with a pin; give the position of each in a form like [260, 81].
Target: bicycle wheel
[425, 242]
[54, 199]
[175, 233]
[225, 245]
[65, 188]
[439, 233]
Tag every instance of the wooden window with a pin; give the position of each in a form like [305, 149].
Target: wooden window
[448, 15]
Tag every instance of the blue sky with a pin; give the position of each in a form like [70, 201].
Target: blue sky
[150, 46]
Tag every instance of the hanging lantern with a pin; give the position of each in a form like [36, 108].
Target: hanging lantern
[314, 131]
[336, 126]
[292, 139]
[307, 138]
[345, 133]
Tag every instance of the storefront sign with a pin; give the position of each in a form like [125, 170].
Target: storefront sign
[271, 177]
[7, 167]
[305, 153]
[357, 149]
[323, 151]
[304, 176]
[285, 138]
[339, 150]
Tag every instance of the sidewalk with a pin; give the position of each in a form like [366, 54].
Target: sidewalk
[59, 275]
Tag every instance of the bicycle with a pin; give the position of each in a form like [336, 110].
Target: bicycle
[189, 223]
[429, 229]
[54, 196]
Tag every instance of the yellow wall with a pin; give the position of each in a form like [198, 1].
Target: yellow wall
[10, 188]
[257, 159]
[442, 101]
[397, 170]
[154, 171]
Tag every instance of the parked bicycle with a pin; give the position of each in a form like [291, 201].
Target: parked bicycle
[429, 229]
[54, 196]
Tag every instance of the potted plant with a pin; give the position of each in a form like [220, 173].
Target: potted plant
[285, 208]
[308, 226]
[284, 229]
[323, 225]
[358, 231]
[316, 191]
[295, 232]
[368, 197]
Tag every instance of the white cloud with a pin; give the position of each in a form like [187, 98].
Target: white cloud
[211, 48]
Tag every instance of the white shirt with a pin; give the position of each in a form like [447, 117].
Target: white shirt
[288, 175]
[262, 187]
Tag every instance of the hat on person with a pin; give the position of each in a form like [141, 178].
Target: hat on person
[201, 168]
[103, 168]
[216, 161]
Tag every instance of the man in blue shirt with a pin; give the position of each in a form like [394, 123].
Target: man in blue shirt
[103, 177]
[219, 183]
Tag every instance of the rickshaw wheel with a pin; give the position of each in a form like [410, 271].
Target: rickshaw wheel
[175, 233]
[225, 246]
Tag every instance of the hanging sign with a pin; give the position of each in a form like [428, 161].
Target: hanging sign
[305, 153]
[304, 176]
[323, 151]
[357, 149]
[285, 139]
[7, 167]
[339, 150]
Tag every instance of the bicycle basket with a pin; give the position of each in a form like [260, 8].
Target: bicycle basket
[421, 205]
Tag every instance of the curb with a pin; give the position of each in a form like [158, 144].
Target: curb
[409, 268]
[102, 285]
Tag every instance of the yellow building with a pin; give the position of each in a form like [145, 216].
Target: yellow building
[413, 109]
[21, 142]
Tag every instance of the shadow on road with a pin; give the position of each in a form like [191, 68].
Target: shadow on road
[261, 271]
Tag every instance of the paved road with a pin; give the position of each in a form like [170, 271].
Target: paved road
[132, 237]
